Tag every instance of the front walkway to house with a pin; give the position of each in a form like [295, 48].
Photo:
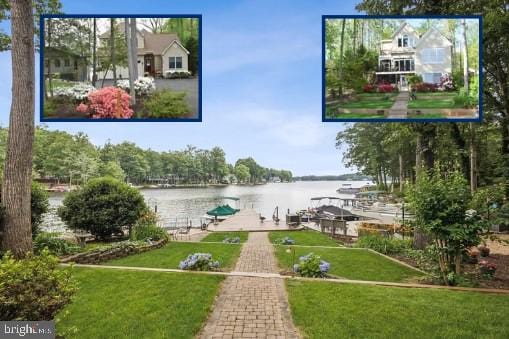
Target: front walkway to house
[252, 307]
[400, 108]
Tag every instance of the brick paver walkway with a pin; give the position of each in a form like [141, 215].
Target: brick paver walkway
[252, 307]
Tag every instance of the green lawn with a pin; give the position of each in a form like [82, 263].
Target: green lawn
[354, 264]
[340, 116]
[327, 310]
[219, 236]
[304, 238]
[58, 83]
[369, 104]
[172, 254]
[130, 304]
[432, 103]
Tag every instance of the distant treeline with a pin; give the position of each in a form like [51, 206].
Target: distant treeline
[63, 157]
[352, 177]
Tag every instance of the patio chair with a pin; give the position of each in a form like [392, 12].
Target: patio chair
[185, 232]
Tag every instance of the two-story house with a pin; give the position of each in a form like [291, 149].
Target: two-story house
[158, 54]
[408, 53]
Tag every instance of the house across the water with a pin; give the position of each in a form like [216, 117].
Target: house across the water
[408, 53]
[159, 54]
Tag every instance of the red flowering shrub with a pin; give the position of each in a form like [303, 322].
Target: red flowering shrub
[82, 108]
[369, 88]
[110, 102]
[425, 87]
[385, 88]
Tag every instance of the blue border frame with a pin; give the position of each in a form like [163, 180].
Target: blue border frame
[479, 17]
[41, 71]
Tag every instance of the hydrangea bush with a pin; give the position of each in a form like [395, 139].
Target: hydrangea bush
[446, 83]
[78, 92]
[235, 240]
[142, 86]
[199, 262]
[286, 241]
[311, 265]
[110, 102]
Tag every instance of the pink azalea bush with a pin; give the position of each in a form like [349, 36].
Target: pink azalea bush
[82, 108]
[110, 102]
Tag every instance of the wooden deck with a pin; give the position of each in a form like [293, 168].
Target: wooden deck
[249, 220]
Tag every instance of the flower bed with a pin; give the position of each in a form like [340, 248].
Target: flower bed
[78, 92]
[233, 240]
[142, 86]
[285, 241]
[115, 251]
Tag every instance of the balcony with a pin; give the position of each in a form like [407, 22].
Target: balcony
[401, 68]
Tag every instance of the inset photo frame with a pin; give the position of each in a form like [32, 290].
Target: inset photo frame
[401, 68]
[128, 68]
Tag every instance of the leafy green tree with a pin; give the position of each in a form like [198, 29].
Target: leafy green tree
[242, 172]
[102, 207]
[111, 169]
[192, 45]
[440, 205]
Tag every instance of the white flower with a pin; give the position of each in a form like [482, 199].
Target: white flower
[142, 86]
[79, 92]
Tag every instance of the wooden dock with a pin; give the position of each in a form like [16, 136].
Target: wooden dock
[249, 220]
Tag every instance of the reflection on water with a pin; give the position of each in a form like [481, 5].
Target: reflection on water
[194, 202]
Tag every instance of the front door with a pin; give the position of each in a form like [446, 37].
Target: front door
[403, 83]
[149, 64]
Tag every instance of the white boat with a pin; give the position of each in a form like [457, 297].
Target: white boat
[348, 189]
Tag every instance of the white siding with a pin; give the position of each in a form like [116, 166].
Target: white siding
[434, 47]
[175, 51]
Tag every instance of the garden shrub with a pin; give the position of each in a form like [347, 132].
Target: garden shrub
[385, 88]
[54, 244]
[145, 231]
[311, 265]
[167, 104]
[383, 244]
[77, 93]
[102, 207]
[425, 87]
[234, 240]
[177, 74]
[414, 79]
[446, 82]
[142, 86]
[38, 204]
[34, 288]
[199, 262]
[465, 101]
[369, 88]
[110, 102]
[285, 241]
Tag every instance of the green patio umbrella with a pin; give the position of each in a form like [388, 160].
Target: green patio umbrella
[220, 211]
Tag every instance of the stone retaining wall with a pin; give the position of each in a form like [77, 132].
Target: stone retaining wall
[102, 255]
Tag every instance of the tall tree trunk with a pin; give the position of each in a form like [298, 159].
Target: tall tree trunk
[130, 61]
[354, 44]
[50, 77]
[16, 188]
[401, 172]
[473, 160]
[134, 47]
[112, 51]
[341, 49]
[465, 57]
[94, 54]
[418, 156]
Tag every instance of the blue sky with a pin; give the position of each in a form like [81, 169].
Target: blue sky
[261, 83]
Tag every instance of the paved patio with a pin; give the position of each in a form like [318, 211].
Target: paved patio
[252, 307]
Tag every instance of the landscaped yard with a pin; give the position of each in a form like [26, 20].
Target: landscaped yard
[303, 238]
[369, 104]
[220, 236]
[172, 254]
[128, 304]
[328, 310]
[357, 264]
